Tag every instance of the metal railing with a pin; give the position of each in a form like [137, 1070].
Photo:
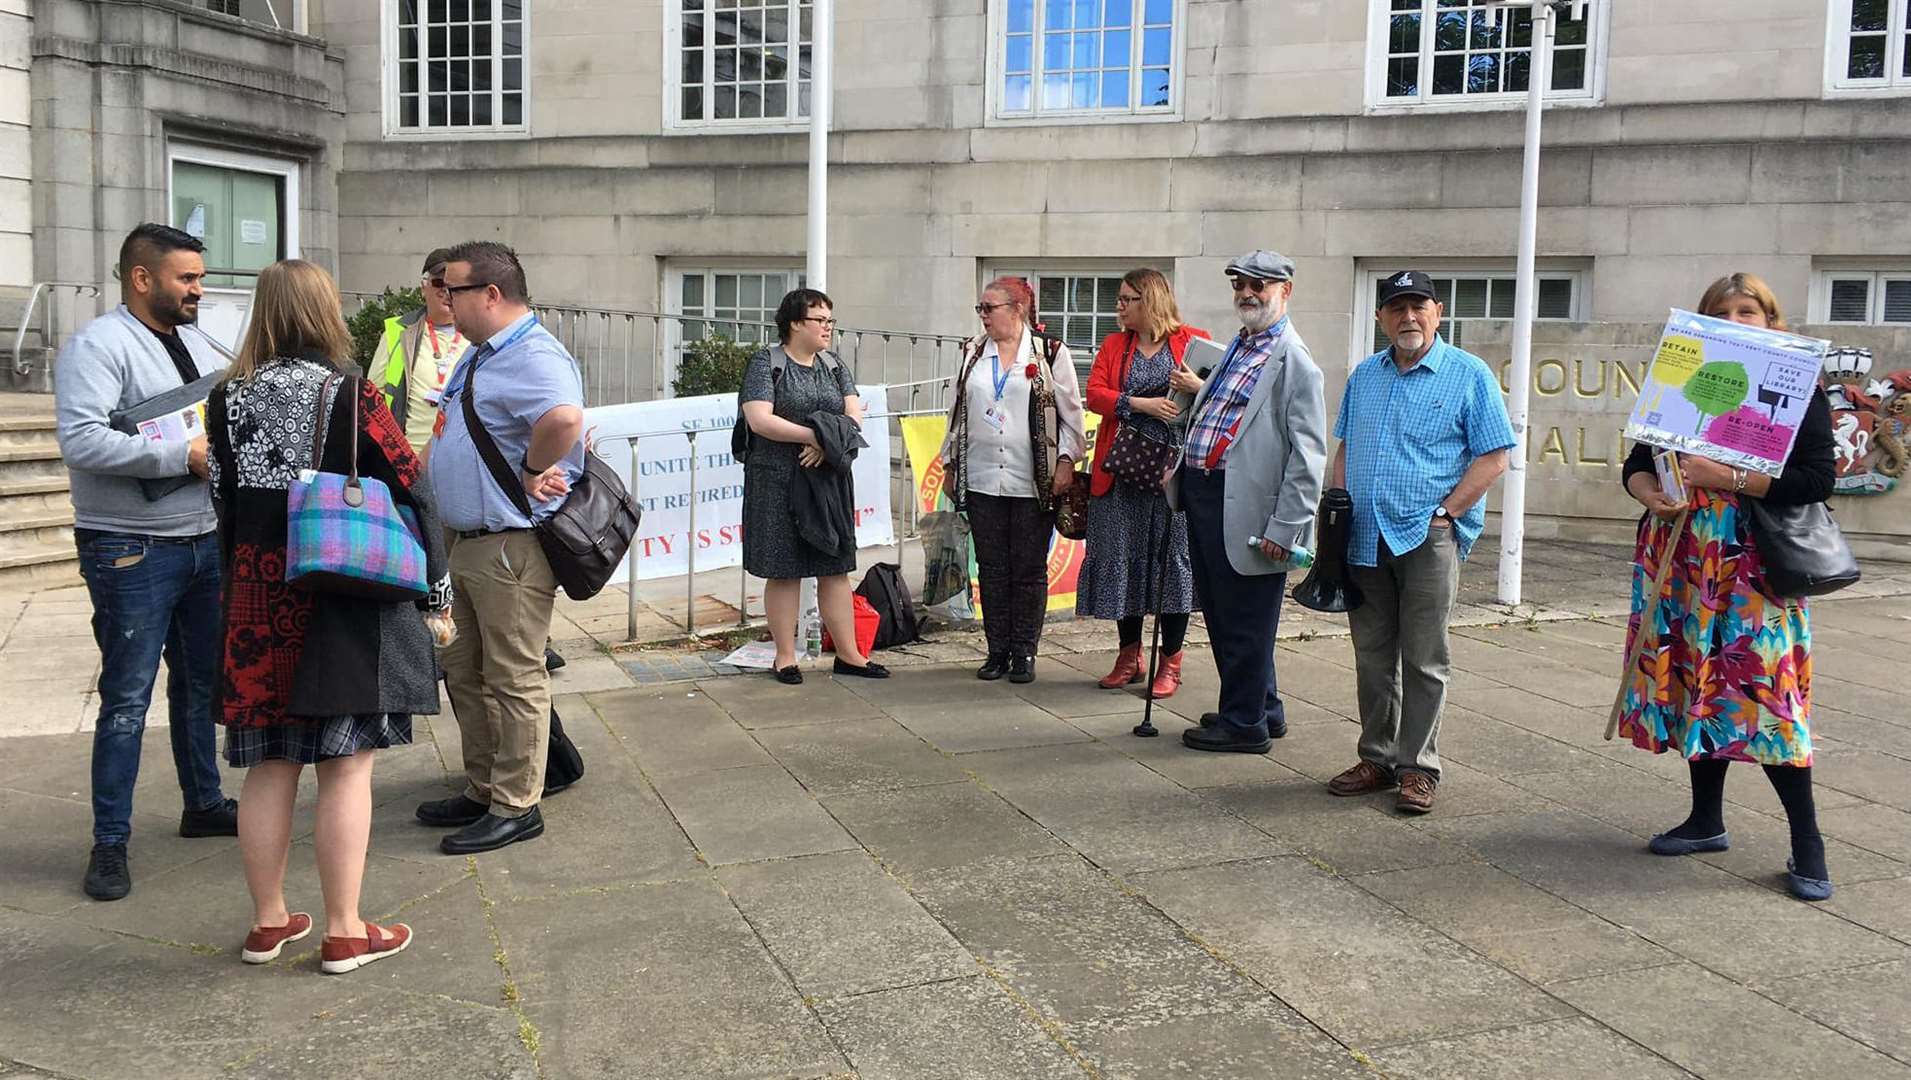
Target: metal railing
[51, 323]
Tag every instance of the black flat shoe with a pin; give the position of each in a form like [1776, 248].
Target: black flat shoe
[491, 832]
[453, 813]
[1223, 740]
[996, 666]
[870, 670]
[1022, 669]
[221, 820]
[1212, 720]
[790, 676]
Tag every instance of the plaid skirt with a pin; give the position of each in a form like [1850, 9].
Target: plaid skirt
[312, 741]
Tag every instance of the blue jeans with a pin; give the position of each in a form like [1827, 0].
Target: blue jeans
[152, 597]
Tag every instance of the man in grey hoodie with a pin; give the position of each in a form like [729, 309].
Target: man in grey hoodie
[151, 565]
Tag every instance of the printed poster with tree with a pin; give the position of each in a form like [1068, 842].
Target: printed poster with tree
[1726, 391]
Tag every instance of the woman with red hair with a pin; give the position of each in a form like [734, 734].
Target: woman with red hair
[1015, 433]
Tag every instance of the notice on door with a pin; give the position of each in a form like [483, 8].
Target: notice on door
[251, 231]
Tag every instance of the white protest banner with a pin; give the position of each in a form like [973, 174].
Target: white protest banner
[662, 488]
[1727, 391]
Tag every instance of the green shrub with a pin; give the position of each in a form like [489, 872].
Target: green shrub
[712, 365]
[368, 323]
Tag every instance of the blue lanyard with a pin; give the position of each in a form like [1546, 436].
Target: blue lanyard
[463, 374]
[1001, 377]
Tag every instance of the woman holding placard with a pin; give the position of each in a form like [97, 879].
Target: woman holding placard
[1725, 674]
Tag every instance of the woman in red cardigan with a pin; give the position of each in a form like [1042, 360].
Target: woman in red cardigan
[1130, 384]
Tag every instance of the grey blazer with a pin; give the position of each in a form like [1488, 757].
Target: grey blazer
[1274, 466]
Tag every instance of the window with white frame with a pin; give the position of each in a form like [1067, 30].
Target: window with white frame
[1870, 46]
[279, 14]
[738, 63]
[1863, 298]
[732, 302]
[1471, 296]
[1085, 58]
[1076, 304]
[1428, 52]
[456, 66]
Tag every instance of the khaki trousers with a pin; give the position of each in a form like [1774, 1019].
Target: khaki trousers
[1401, 656]
[503, 592]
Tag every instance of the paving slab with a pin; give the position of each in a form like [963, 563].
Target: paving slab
[1350, 835]
[1251, 1035]
[966, 1029]
[1831, 727]
[997, 722]
[451, 954]
[663, 981]
[844, 757]
[1502, 750]
[418, 1038]
[1870, 774]
[742, 815]
[1766, 1040]
[1115, 811]
[1569, 1049]
[1347, 961]
[1164, 753]
[1869, 1004]
[947, 825]
[759, 701]
[1530, 932]
[1863, 700]
[49, 840]
[840, 925]
[1884, 906]
[671, 733]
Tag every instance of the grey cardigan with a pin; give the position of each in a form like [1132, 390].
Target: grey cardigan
[1275, 464]
[114, 363]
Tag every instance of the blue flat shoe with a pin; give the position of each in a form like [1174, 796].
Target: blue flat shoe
[1806, 888]
[1667, 844]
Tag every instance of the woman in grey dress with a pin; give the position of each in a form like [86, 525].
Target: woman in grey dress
[782, 388]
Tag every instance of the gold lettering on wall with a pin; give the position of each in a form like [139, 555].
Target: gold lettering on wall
[1589, 378]
[1555, 446]
[1579, 379]
[1540, 381]
[1591, 448]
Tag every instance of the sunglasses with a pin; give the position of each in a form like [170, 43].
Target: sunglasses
[449, 289]
[1250, 284]
[984, 309]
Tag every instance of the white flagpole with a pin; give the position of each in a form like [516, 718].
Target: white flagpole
[816, 271]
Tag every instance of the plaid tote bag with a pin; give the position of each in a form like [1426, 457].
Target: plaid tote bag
[343, 532]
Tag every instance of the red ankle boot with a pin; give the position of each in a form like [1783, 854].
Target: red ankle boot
[1167, 676]
[1127, 668]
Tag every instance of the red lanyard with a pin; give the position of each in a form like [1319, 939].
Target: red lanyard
[436, 352]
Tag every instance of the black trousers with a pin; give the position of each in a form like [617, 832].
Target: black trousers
[1011, 538]
[1243, 611]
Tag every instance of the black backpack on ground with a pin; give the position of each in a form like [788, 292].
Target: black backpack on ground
[563, 765]
[740, 435]
[885, 590]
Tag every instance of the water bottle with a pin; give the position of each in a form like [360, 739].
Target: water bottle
[1298, 557]
[812, 634]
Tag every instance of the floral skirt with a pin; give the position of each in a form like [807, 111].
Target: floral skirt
[1726, 671]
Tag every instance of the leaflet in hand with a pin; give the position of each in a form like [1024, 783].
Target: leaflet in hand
[1671, 476]
[180, 425]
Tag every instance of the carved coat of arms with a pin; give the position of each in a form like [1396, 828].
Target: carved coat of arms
[1869, 418]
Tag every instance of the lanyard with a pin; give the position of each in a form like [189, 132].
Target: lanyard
[463, 375]
[437, 353]
[1001, 377]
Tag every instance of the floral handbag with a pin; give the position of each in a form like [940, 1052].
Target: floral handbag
[1139, 459]
[344, 534]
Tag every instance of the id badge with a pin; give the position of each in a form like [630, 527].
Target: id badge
[995, 418]
[434, 395]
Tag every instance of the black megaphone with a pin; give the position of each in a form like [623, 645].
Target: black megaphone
[1328, 587]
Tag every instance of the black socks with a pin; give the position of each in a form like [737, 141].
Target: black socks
[1708, 801]
[1808, 847]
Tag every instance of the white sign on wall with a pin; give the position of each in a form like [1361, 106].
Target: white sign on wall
[663, 489]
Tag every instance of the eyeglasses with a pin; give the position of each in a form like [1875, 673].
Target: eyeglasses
[1124, 301]
[984, 309]
[449, 289]
[1249, 284]
[823, 321]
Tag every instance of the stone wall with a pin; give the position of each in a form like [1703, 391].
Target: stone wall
[16, 173]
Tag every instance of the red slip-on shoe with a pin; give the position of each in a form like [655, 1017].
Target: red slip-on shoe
[263, 943]
[340, 955]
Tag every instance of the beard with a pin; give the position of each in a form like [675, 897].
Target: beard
[176, 312]
[1410, 340]
[1256, 316]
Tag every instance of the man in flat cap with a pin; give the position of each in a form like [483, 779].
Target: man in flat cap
[1423, 433]
[1250, 480]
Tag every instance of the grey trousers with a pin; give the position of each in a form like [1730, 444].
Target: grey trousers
[1401, 653]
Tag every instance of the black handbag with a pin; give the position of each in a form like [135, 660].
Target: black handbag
[563, 765]
[1803, 551]
[586, 538]
[1139, 459]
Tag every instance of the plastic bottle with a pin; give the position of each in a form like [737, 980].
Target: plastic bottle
[1298, 557]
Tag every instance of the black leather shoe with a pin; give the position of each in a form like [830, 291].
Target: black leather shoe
[491, 832]
[790, 676]
[221, 820]
[870, 669]
[1022, 669]
[1222, 739]
[451, 813]
[996, 666]
[1211, 720]
[108, 874]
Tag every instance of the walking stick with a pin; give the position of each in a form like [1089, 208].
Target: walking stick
[1147, 729]
[1647, 618]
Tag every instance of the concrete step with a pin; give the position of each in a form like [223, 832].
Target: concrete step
[32, 447]
[21, 516]
[49, 485]
[35, 537]
[42, 568]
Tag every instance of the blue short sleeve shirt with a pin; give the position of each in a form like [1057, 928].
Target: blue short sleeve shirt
[521, 374]
[1410, 435]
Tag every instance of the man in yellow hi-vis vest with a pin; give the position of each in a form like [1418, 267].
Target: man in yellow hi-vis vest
[420, 350]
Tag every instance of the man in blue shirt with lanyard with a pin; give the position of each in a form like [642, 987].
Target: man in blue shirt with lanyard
[1423, 433]
[529, 396]
[1250, 483]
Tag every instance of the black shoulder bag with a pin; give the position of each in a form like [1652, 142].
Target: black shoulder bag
[1802, 549]
[587, 537]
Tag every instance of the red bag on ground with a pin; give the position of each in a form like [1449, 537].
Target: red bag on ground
[867, 623]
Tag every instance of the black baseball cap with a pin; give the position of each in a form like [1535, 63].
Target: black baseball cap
[1405, 283]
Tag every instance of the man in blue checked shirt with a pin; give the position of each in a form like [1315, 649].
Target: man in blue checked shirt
[1423, 434]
